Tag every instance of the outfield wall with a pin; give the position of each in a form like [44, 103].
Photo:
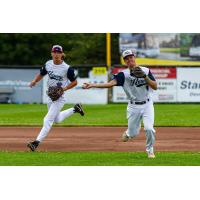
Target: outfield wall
[175, 84]
[14, 85]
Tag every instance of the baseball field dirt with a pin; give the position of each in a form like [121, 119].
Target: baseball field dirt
[99, 139]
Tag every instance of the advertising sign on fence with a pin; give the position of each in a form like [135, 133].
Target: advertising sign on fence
[166, 80]
[188, 84]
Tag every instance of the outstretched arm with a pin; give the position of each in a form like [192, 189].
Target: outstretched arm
[100, 85]
[35, 80]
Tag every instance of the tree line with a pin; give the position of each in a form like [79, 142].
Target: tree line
[34, 48]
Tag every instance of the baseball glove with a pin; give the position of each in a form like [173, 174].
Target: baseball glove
[137, 72]
[55, 92]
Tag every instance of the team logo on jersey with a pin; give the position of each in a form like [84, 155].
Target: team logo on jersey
[138, 82]
[55, 77]
[59, 84]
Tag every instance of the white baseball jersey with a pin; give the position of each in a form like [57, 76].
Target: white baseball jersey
[140, 105]
[59, 75]
[136, 89]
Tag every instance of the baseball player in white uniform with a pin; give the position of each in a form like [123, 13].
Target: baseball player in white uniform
[59, 74]
[140, 105]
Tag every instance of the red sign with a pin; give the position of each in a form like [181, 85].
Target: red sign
[118, 69]
[160, 73]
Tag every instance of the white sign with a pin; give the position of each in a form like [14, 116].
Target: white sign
[188, 84]
[89, 96]
[166, 91]
[119, 95]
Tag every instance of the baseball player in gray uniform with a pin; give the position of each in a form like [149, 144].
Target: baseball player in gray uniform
[61, 75]
[138, 84]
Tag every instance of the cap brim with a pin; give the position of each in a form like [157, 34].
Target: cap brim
[54, 51]
[129, 55]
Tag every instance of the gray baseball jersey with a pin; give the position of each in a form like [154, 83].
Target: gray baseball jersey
[136, 89]
[58, 74]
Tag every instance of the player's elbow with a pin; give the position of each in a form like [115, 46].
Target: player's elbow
[110, 85]
[75, 83]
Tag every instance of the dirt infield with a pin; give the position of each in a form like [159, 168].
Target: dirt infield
[99, 139]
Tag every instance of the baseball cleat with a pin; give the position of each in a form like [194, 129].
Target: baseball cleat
[79, 109]
[151, 155]
[125, 137]
[33, 145]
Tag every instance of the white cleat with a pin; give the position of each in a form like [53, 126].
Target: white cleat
[125, 137]
[151, 155]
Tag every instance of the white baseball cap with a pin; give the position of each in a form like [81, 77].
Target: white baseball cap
[57, 48]
[128, 52]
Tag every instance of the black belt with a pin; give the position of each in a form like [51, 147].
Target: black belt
[139, 102]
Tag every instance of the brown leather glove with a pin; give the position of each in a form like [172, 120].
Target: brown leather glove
[137, 72]
[55, 92]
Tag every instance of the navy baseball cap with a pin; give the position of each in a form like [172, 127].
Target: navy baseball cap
[57, 48]
[128, 52]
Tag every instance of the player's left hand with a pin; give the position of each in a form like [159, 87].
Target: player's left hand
[55, 92]
[87, 85]
[137, 72]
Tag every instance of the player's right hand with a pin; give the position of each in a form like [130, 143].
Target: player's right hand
[32, 83]
[86, 85]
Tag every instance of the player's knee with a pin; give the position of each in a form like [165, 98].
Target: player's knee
[57, 120]
[148, 128]
[48, 121]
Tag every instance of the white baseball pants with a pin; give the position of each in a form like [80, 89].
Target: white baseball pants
[137, 113]
[54, 115]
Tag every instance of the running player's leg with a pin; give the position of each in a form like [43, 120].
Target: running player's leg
[148, 119]
[67, 113]
[64, 114]
[54, 109]
[134, 116]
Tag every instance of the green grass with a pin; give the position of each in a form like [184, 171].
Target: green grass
[99, 115]
[98, 159]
